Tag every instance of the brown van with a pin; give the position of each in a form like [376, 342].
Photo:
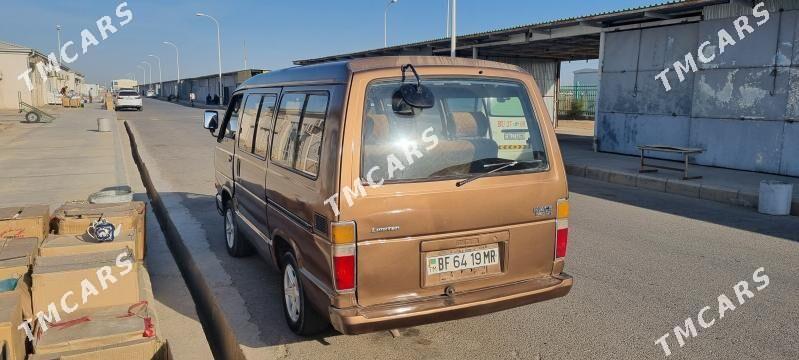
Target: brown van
[395, 191]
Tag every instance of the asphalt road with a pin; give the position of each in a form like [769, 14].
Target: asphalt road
[643, 261]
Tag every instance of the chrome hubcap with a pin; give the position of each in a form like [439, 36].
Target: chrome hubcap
[292, 293]
[230, 231]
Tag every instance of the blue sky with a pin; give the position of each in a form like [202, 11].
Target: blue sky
[276, 32]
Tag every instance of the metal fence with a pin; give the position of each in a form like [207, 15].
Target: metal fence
[577, 102]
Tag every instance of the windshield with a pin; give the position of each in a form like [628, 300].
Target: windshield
[128, 93]
[475, 126]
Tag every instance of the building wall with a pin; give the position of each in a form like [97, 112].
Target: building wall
[741, 107]
[124, 83]
[203, 86]
[11, 65]
[85, 89]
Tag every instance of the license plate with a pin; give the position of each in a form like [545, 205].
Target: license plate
[462, 259]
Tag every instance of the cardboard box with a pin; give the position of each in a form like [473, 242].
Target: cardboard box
[94, 274]
[10, 318]
[22, 292]
[64, 101]
[58, 245]
[25, 221]
[74, 102]
[16, 256]
[75, 218]
[94, 328]
[142, 349]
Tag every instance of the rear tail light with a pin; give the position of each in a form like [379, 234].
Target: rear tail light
[343, 236]
[562, 228]
[344, 267]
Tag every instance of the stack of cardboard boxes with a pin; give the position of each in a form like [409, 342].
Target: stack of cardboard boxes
[75, 102]
[82, 298]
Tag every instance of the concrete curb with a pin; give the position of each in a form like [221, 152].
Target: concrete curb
[715, 193]
[219, 332]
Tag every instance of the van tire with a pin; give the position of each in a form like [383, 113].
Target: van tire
[235, 244]
[305, 320]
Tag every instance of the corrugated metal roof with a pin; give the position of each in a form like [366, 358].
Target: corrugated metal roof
[7, 46]
[11, 47]
[561, 20]
[542, 24]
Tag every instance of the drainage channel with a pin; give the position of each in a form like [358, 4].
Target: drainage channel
[218, 331]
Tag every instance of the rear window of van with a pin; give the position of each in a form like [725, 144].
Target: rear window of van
[476, 125]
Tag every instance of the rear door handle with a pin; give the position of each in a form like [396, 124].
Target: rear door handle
[230, 158]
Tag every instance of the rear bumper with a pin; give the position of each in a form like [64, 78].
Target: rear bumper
[128, 104]
[352, 321]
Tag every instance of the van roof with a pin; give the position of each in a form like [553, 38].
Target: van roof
[339, 72]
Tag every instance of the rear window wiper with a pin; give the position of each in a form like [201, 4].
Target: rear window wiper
[475, 177]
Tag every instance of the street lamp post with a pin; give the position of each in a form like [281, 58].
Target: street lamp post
[218, 49]
[452, 40]
[177, 61]
[150, 67]
[58, 51]
[385, 22]
[160, 79]
[144, 74]
[447, 25]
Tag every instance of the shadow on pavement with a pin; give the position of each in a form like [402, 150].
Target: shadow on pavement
[254, 277]
[747, 219]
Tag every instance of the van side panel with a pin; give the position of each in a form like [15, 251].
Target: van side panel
[297, 214]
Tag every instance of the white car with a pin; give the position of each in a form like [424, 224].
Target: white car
[150, 93]
[127, 99]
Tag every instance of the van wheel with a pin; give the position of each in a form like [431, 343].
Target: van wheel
[235, 244]
[300, 315]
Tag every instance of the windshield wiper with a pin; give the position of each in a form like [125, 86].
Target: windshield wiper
[473, 178]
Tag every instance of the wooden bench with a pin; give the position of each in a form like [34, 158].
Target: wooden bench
[668, 149]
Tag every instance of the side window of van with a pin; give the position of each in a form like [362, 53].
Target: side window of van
[310, 136]
[284, 143]
[247, 122]
[297, 139]
[264, 124]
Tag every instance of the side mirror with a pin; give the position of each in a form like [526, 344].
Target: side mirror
[210, 120]
[410, 96]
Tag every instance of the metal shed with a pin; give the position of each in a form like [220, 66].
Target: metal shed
[741, 107]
